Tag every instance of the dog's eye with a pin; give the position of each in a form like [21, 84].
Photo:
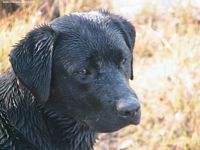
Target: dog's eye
[123, 61]
[84, 71]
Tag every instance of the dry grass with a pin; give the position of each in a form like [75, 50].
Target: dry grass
[167, 71]
[167, 80]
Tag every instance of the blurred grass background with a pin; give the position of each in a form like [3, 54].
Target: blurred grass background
[166, 65]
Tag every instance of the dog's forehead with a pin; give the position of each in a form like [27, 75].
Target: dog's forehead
[77, 18]
[93, 16]
[89, 34]
[90, 25]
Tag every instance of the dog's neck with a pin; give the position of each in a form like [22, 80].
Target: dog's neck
[44, 128]
[67, 130]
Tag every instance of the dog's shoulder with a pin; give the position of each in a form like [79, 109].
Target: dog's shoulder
[10, 137]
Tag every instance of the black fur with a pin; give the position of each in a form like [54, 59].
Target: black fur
[33, 56]
[65, 83]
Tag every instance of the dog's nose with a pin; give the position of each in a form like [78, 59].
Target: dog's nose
[128, 107]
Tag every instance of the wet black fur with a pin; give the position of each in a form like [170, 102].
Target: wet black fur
[46, 104]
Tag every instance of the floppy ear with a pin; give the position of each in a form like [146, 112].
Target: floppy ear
[128, 32]
[31, 61]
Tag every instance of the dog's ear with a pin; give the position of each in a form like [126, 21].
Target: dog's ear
[126, 29]
[128, 32]
[31, 61]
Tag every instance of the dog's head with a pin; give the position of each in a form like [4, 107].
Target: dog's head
[79, 65]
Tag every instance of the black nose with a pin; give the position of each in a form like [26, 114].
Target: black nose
[128, 107]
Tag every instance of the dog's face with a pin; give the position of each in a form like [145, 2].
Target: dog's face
[80, 67]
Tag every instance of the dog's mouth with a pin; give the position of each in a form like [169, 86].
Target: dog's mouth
[135, 120]
[104, 124]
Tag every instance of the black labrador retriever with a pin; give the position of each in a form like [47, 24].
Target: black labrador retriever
[68, 81]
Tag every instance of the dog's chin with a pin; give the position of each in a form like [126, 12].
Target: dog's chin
[109, 130]
[115, 128]
[108, 126]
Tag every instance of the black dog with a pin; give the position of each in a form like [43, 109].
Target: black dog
[68, 82]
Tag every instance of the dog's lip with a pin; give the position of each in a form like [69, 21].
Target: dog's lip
[133, 119]
[136, 119]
